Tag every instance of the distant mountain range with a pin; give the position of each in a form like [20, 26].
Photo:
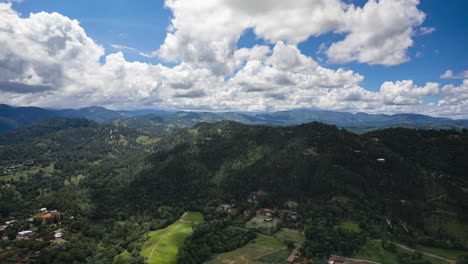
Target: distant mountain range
[166, 121]
[15, 117]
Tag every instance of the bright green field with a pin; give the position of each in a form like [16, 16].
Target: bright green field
[162, 245]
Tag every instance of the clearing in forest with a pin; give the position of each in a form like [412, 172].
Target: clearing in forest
[163, 245]
[261, 248]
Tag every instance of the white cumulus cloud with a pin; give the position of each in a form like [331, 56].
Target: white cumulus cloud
[48, 60]
[207, 32]
[450, 75]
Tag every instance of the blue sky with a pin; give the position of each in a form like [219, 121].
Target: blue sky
[143, 26]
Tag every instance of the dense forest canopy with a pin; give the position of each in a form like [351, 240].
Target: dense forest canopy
[114, 184]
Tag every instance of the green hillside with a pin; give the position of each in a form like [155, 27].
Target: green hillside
[115, 184]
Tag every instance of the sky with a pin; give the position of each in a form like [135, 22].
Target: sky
[374, 56]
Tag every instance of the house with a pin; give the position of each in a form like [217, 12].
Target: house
[269, 219]
[294, 254]
[227, 208]
[310, 151]
[10, 222]
[336, 260]
[289, 213]
[223, 208]
[3, 227]
[265, 212]
[24, 235]
[58, 235]
[381, 160]
[48, 215]
[43, 210]
[247, 212]
[357, 151]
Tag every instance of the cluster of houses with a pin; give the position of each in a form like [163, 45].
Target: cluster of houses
[44, 214]
[265, 215]
[28, 234]
[262, 215]
[17, 166]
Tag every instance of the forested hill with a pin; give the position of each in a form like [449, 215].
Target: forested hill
[442, 151]
[118, 182]
[44, 128]
[293, 162]
[227, 160]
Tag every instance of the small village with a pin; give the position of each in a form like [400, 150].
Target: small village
[43, 226]
[12, 168]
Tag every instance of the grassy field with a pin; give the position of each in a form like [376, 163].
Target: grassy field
[26, 172]
[350, 226]
[276, 257]
[373, 251]
[261, 248]
[162, 245]
[253, 223]
[145, 140]
[295, 237]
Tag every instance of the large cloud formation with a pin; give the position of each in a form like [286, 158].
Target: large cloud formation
[206, 32]
[47, 59]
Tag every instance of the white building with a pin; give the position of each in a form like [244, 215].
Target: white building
[25, 235]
